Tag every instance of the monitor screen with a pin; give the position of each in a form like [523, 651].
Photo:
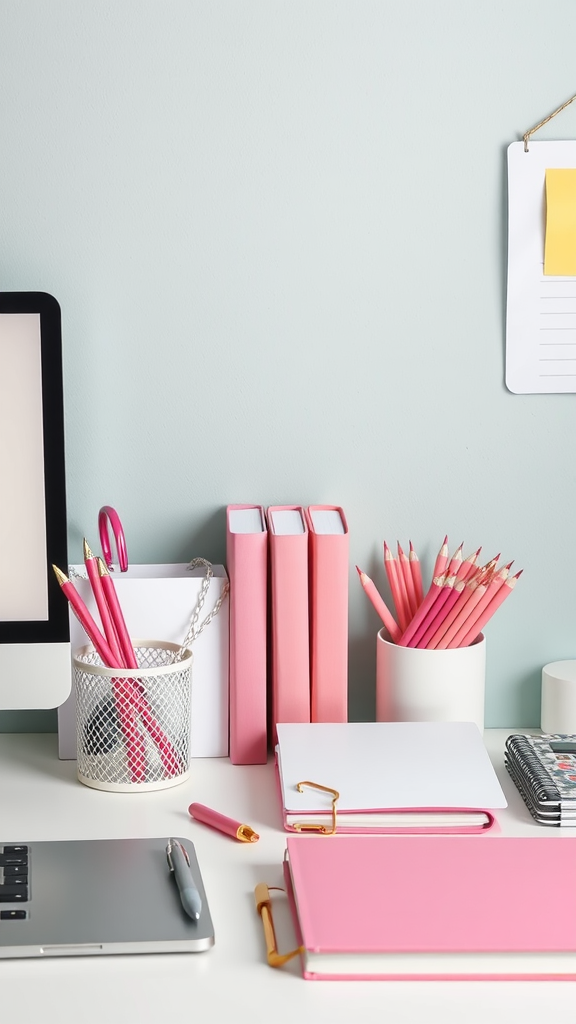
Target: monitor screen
[33, 610]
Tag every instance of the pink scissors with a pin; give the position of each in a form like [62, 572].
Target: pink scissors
[107, 513]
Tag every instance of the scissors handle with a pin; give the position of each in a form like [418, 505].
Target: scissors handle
[108, 513]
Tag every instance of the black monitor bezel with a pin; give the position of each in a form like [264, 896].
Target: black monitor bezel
[56, 628]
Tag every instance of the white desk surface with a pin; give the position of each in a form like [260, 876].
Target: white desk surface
[40, 798]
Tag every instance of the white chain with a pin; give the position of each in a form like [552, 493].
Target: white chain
[194, 630]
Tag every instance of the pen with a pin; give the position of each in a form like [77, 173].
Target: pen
[223, 823]
[84, 617]
[179, 863]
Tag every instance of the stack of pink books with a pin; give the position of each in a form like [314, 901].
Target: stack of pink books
[288, 568]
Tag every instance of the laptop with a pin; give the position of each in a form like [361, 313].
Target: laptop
[86, 898]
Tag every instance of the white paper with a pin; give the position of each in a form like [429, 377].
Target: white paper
[541, 310]
[380, 765]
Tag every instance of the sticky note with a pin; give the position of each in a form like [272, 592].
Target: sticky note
[560, 241]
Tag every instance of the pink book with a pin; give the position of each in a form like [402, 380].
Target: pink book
[434, 907]
[288, 537]
[328, 552]
[247, 564]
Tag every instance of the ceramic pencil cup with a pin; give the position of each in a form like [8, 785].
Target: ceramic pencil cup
[133, 725]
[419, 685]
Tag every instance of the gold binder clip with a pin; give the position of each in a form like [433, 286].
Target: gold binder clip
[302, 826]
[264, 908]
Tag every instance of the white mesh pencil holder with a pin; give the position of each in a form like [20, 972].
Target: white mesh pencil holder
[133, 725]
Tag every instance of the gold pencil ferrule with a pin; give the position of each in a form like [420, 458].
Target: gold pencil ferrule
[247, 835]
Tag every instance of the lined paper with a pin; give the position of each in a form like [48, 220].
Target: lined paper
[541, 308]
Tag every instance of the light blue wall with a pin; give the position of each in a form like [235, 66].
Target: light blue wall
[277, 231]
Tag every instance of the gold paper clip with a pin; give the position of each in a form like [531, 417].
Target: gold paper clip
[264, 908]
[302, 826]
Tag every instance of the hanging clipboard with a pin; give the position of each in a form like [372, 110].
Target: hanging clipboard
[541, 306]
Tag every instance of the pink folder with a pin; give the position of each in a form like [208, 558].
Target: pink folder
[289, 599]
[434, 907]
[247, 563]
[328, 552]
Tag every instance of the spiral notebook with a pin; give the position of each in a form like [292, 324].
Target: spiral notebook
[442, 907]
[387, 776]
[543, 769]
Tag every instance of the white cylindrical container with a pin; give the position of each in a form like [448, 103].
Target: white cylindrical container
[419, 685]
[133, 725]
[558, 701]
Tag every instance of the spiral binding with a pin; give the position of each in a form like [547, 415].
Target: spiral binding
[541, 786]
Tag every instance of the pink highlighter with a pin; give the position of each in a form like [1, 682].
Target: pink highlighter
[224, 824]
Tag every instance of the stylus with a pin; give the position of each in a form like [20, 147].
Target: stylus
[179, 863]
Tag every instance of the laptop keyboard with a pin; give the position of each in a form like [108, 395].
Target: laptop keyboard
[14, 879]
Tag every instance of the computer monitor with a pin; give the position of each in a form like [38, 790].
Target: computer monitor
[35, 669]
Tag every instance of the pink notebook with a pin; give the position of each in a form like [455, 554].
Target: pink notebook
[434, 907]
[288, 536]
[247, 564]
[328, 550]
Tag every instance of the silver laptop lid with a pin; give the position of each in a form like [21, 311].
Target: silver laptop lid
[97, 897]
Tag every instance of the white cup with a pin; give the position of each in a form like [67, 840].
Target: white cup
[418, 685]
[558, 702]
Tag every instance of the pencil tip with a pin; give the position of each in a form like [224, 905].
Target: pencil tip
[60, 576]
[102, 568]
[87, 551]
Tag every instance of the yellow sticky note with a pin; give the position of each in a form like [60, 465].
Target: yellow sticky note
[560, 243]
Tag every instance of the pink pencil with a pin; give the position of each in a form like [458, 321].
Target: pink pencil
[408, 581]
[416, 575]
[387, 618]
[496, 581]
[468, 566]
[490, 582]
[437, 605]
[427, 603]
[504, 592]
[476, 624]
[441, 611]
[90, 561]
[393, 574]
[441, 562]
[117, 616]
[456, 561]
[469, 587]
[474, 591]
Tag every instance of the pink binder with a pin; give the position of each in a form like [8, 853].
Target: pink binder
[441, 907]
[289, 600]
[328, 552]
[247, 563]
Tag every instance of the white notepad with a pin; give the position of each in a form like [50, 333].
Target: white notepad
[541, 309]
[390, 776]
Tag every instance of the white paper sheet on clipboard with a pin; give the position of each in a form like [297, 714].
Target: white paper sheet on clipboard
[541, 310]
